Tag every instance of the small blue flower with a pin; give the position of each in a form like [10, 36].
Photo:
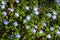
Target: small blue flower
[24, 20]
[17, 1]
[49, 15]
[2, 6]
[35, 26]
[48, 36]
[44, 23]
[33, 30]
[27, 7]
[54, 12]
[58, 1]
[27, 26]
[35, 8]
[18, 36]
[17, 14]
[54, 17]
[36, 12]
[15, 24]
[5, 22]
[41, 31]
[4, 13]
[52, 28]
[11, 9]
[28, 17]
[58, 32]
[3, 2]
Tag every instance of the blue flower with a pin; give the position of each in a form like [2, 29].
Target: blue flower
[11, 9]
[54, 17]
[33, 30]
[58, 1]
[36, 12]
[28, 17]
[41, 31]
[4, 13]
[54, 12]
[17, 14]
[52, 28]
[15, 24]
[27, 7]
[2, 6]
[35, 8]
[44, 24]
[3, 2]
[58, 32]
[48, 36]
[35, 26]
[49, 15]
[5, 22]
[17, 1]
[18, 36]
[27, 26]
[24, 20]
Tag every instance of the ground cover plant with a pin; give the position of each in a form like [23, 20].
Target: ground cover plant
[29, 19]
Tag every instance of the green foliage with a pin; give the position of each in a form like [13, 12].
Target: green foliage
[44, 7]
